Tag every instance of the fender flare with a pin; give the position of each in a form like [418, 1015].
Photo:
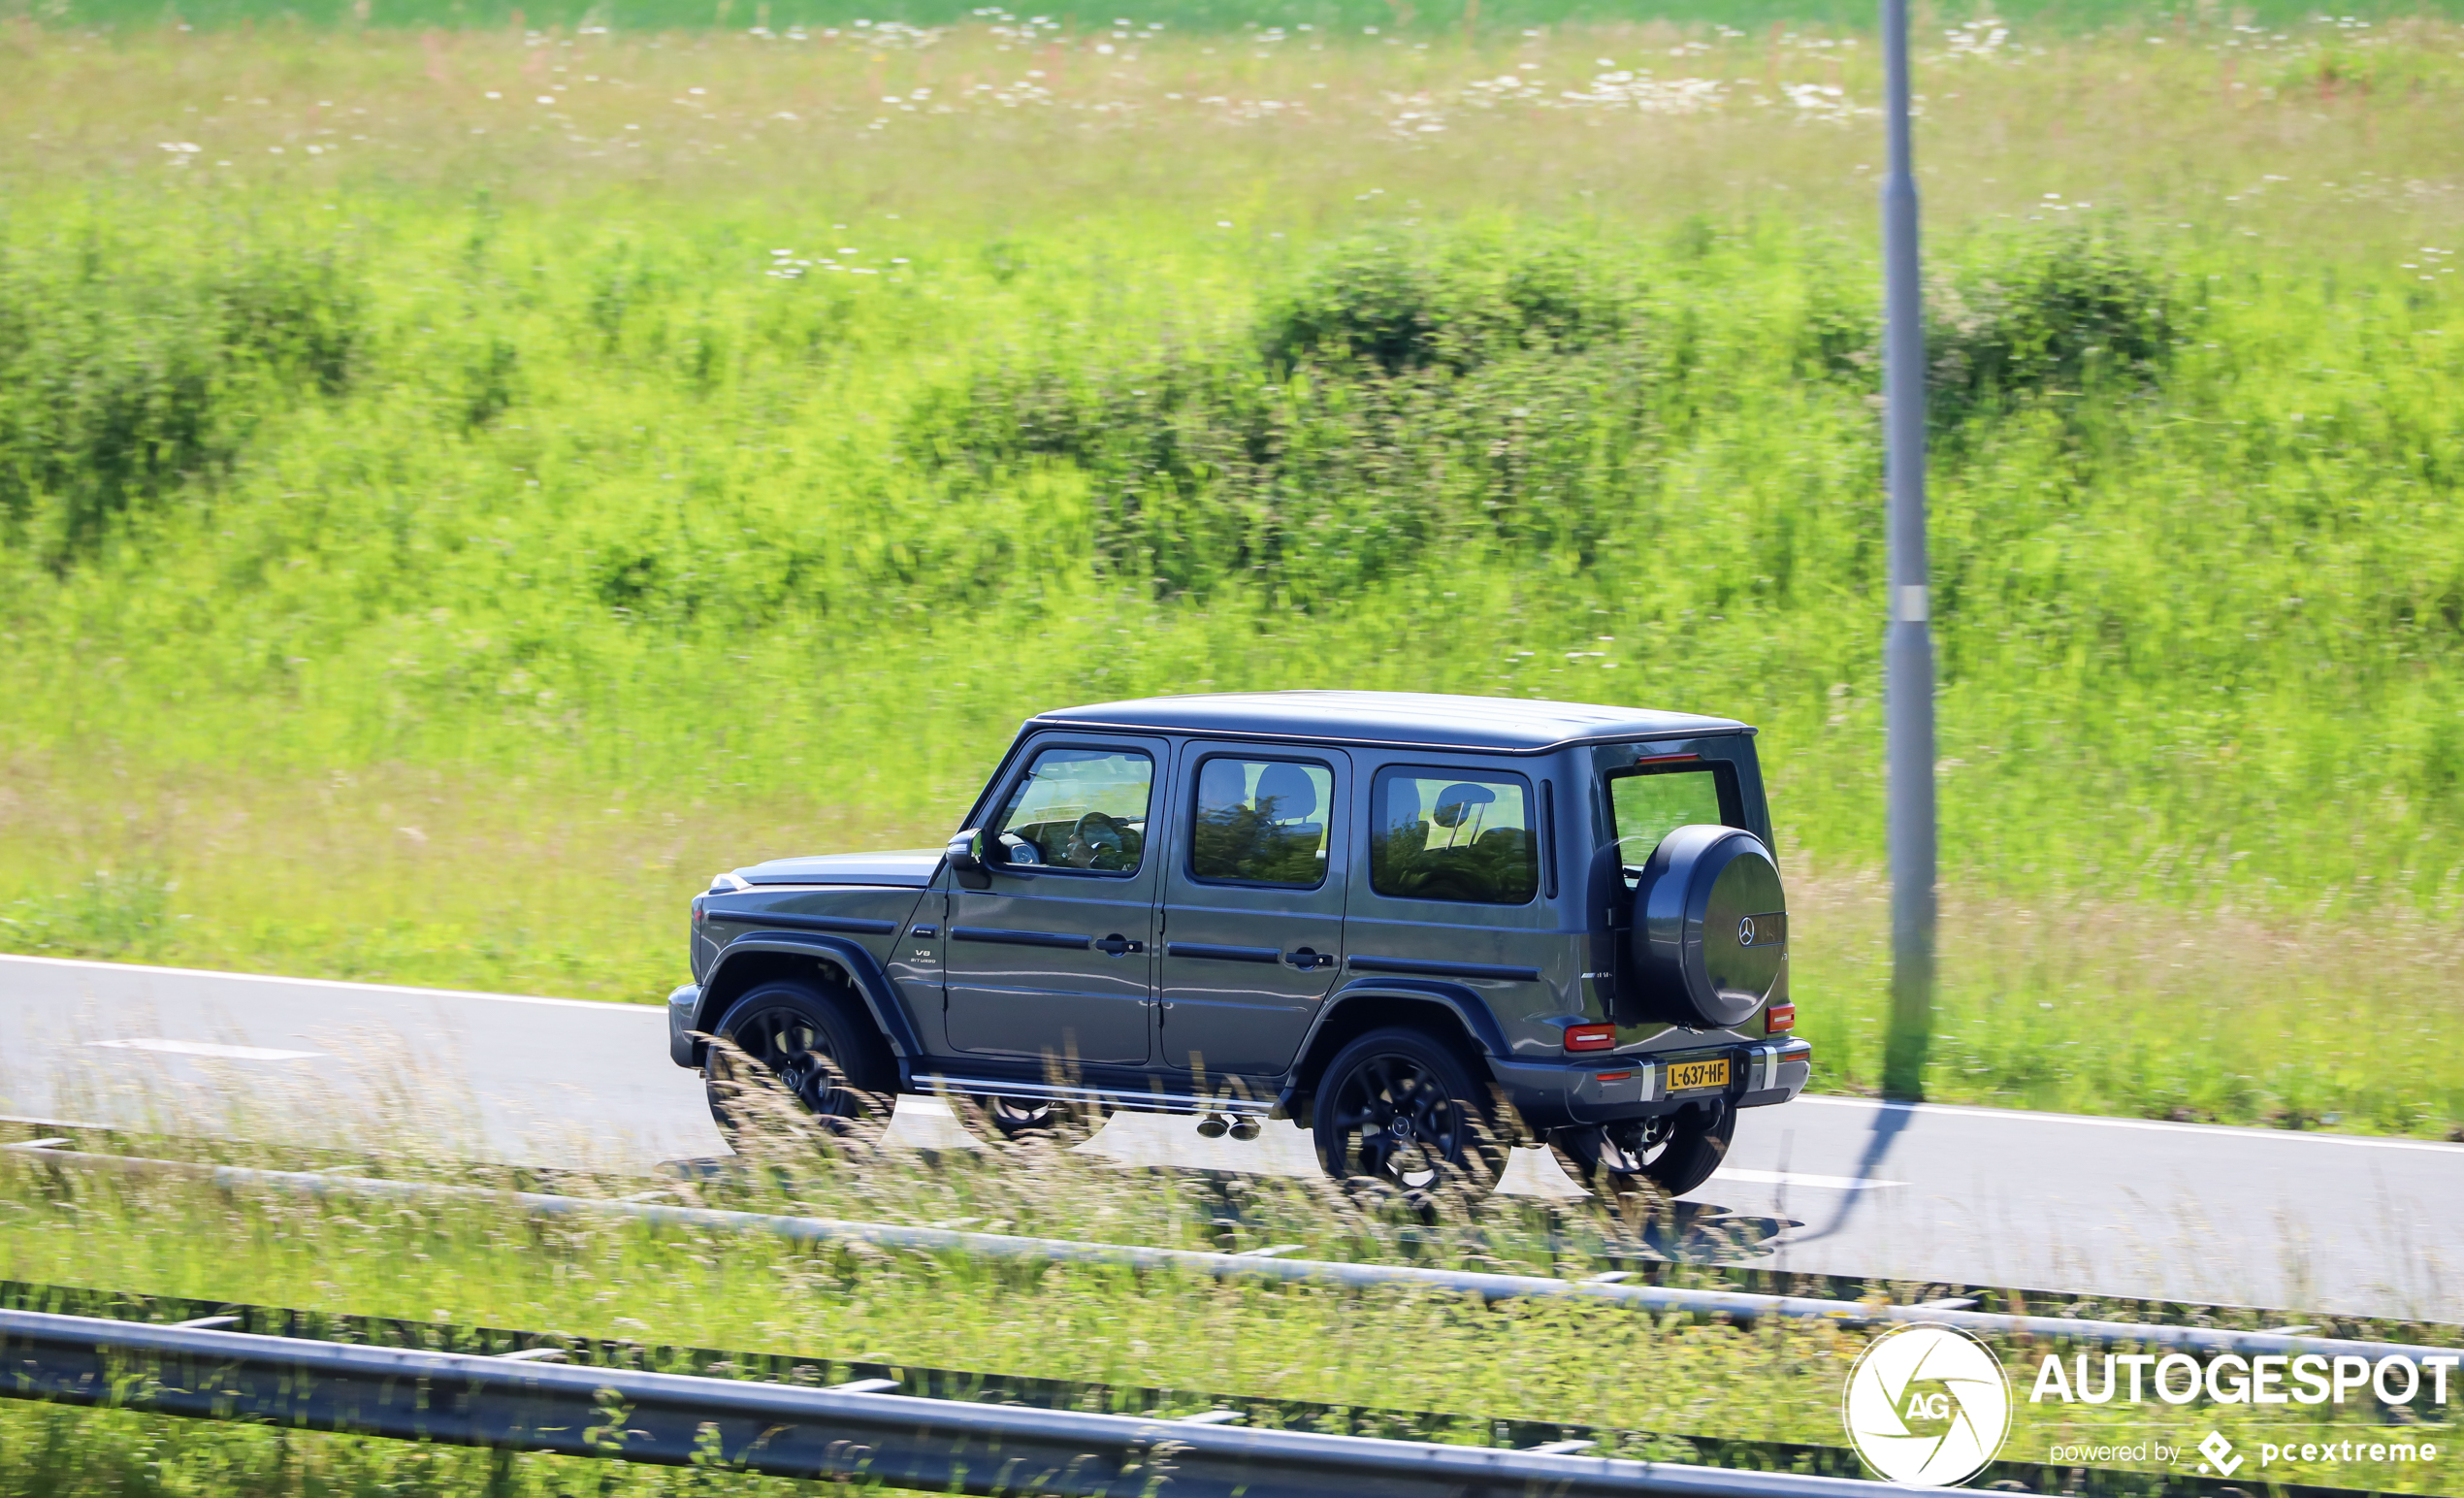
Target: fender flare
[863, 972]
[1475, 1016]
[1478, 1020]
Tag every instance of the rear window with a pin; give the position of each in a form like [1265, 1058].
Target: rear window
[1442, 834]
[1261, 822]
[1648, 803]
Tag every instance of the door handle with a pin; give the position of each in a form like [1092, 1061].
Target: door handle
[1118, 945]
[1304, 959]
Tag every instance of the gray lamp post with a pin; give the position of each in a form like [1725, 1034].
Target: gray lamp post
[1908, 644]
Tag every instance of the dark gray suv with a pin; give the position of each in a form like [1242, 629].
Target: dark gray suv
[1389, 917]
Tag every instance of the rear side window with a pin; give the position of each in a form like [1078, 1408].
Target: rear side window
[1261, 822]
[1079, 808]
[1649, 804]
[1441, 834]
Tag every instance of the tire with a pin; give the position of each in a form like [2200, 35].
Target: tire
[795, 1037]
[1400, 1110]
[1671, 1155]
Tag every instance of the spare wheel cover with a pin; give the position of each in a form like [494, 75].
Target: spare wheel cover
[1713, 937]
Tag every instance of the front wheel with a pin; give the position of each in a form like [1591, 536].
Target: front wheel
[1672, 1154]
[1399, 1108]
[796, 1036]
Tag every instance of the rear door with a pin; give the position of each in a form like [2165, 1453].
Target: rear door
[1253, 904]
[1056, 958]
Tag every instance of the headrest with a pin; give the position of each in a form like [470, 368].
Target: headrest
[1220, 787]
[1289, 788]
[1456, 801]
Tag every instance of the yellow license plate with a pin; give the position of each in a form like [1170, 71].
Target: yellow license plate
[1691, 1076]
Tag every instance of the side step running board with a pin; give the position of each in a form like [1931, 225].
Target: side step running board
[1118, 1099]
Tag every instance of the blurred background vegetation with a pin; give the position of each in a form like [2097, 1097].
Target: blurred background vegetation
[458, 489]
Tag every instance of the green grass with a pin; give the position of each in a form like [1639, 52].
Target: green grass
[427, 559]
[456, 1263]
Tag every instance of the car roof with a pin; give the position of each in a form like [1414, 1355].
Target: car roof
[1423, 719]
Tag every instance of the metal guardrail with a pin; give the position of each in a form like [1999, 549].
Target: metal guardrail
[678, 1419]
[1739, 1305]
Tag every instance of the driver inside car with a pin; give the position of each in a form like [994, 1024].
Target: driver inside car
[1095, 842]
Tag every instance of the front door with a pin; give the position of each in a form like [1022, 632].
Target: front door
[1056, 960]
[1254, 905]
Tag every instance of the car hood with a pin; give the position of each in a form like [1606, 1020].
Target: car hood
[910, 867]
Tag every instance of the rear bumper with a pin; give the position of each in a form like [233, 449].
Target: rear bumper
[1605, 1089]
[682, 1004]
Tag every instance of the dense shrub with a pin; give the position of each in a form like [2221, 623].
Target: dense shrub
[2056, 312]
[1400, 302]
[2032, 315]
[1404, 391]
[118, 386]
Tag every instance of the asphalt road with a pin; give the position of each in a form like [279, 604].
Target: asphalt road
[2320, 1222]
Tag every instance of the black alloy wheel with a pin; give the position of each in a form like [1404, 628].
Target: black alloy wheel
[1669, 1154]
[801, 1039]
[1399, 1108]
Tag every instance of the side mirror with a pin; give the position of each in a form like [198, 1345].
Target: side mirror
[967, 861]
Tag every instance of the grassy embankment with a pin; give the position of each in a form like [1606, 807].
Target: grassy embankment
[543, 552]
[440, 529]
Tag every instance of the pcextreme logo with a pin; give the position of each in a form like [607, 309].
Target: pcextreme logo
[1927, 1404]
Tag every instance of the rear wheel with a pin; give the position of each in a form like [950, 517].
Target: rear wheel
[1672, 1154]
[801, 1040]
[1400, 1108]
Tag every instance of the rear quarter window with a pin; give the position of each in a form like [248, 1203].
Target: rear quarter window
[1450, 836]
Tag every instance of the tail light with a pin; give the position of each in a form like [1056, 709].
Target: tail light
[699, 914]
[1590, 1037]
[1779, 1018]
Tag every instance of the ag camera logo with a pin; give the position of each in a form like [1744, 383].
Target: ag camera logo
[1927, 1404]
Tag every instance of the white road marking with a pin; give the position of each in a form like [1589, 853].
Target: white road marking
[603, 1006]
[206, 1048]
[2160, 1125]
[1802, 1178]
[12, 1117]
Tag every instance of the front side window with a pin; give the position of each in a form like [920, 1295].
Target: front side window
[1648, 805]
[1443, 835]
[1261, 822]
[1079, 809]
